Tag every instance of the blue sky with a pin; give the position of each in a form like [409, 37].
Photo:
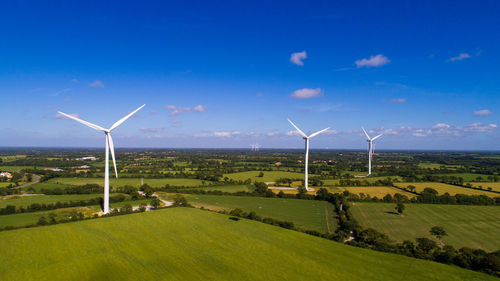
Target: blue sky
[228, 74]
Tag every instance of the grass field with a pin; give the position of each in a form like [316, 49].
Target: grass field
[37, 187]
[45, 199]
[378, 191]
[466, 176]
[305, 214]
[127, 181]
[13, 169]
[442, 188]
[24, 219]
[494, 185]
[268, 176]
[227, 188]
[467, 226]
[369, 179]
[437, 166]
[189, 244]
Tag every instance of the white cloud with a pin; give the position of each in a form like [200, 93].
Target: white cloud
[296, 58]
[398, 100]
[226, 134]
[441, 126]
[97, 83]
[483, 112]
[60, 116]
[461, 56]
[176, 110]
[153, 112]
[200, 108]
[307, 93]
[373, 61]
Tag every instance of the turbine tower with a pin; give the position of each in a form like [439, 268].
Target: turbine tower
[306, 138]
[109, 148]
[371, 148]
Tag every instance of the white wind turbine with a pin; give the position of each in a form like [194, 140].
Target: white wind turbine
[306, 138]
[109, 147]
[370, 149]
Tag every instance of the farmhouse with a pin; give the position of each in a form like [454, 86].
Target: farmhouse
[5, 175]
[91, 158]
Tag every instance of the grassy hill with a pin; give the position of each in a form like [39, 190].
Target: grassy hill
[189, 244]
[467, 226]
[305, 214]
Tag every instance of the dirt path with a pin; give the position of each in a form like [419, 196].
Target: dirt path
[36, 179]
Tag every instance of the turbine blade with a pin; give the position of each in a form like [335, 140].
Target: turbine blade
[112, 150]
[366, 134]
[298, 130]
[318, 132]
[125, 118]
[93, 126]
[377, 137]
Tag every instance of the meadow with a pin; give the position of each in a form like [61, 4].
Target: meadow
[13, 169]
[189, 244]
[45, 199]
[378, 191]
[305, 214]
[127, 181]
[269, 176]
[228, 188]
[369, 179]
[467, 176]
[442, 188]
[467, 226]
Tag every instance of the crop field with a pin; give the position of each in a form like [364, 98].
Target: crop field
[189, 244]
[442, 188]
[37, 187]
[44, 199]
[437, 166]
[268, 176]
[127, 181]
[494, 185]
[305, 214]
[378, 191]
[467, 226]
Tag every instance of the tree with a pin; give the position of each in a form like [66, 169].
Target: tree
[155, 202]
[42, 221]
[439, 232]
[260, 188]
[400, 207]
[261, 174]
[180, 201]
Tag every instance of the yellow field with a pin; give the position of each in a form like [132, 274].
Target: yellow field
[373, 191]
[494, 185]
[442, 188]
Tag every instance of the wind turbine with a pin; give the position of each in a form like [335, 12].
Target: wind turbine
[109, 147]
[306, 138]
[371, 148]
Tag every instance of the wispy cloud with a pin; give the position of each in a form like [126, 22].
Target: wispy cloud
[176, 110]
[398, 100]
[224, 134]
[297, 58]
[153, 112]
[74, 80]
[307, 93]
[373, 61]
[483, 112]
[97, 83]
[461, 56]
[59, 92]
[151, 130]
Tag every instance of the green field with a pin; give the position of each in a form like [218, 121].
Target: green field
[45, 199]
[467, 226]
[30, 218]
[305, 214]
[37, 187]
[378, 191]
[437, 166]
[127, 181]
[442, 188]
[268, 176]
[466, 176]
[13, 169]
[227, 188]
[189, 244]
[369, 179]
